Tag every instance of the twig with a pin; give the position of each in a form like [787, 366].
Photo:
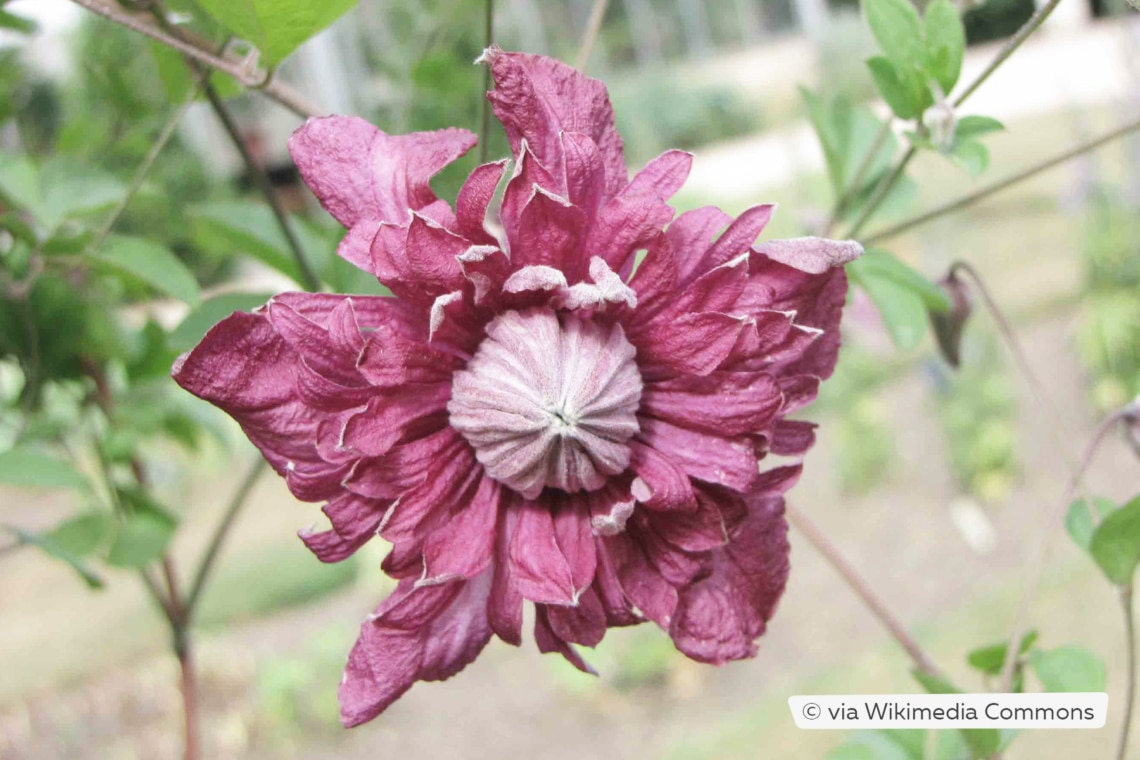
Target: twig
[862, 588]
[985, 192]
[590, 36]
[1012, 343]
[144, 168]
[485, 110]
[1037, 562]
[885, 185]
[1013, 43]
[1130, 688]
[257, 80]
[257, 174]
[844, 198]
[220, 532]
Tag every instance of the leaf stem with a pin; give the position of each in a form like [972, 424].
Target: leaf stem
[144, 168]
[862, 589]
[485, 107]
[1130, 688]
[262, 81]
[308, 277]
[1052, 518]
[590, 36]
[220, 532]
[844, 200]
[985, 192]
[881, 190]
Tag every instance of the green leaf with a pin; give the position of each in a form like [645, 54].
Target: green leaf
[177, 80]
[1069, 668]
[884, 264]
[276, 27]
[898, 30]
[23, 466]
[253, 229]
[83, 534]
[213, 310]
[151, 262]
[71, 189]
[831, 137]
[1115, 544]
[902, 295]
[990, 659]
[945, 43]
[20, 182]
[971, 156]
[1079, 521]
[45, 544]
[899, 93]
[975, 126]
[902, 311]
[141, 539]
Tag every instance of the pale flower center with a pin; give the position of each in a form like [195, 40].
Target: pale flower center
[549, 400]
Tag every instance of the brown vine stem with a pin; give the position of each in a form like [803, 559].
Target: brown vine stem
[308, 277]
[862, 589]
[1053, 517]
[985, 192]
[485, 104]
[261, 81]
[1130, 688]
[1006, 51]
[590, 36]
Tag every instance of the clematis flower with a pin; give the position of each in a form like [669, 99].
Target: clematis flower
[566, 403]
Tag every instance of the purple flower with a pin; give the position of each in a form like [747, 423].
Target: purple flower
[536, 415]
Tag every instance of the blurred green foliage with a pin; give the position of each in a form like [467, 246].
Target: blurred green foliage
[1109, 334]
[978, 410]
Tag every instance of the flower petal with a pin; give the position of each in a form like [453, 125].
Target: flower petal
[719, 618]
[537, 98]
[427, 633]
[540, 570]
[360, 173]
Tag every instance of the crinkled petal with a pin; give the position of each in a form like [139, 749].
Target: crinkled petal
[537, 98]
[427, 633]
[719, 618]
[360, 173]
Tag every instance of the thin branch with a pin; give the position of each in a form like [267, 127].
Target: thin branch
[862, 588]
[1130, 688]
[262, 81]
[220, 532]
[144, 168]
[590, 36]
[485, 109]
[257, 174]
[978, 195]
[1013, 43]
[1052, 518]
[844, 199]
[885, 185]
[1005, 328]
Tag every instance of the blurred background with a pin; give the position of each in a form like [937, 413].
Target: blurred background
[934, 483]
